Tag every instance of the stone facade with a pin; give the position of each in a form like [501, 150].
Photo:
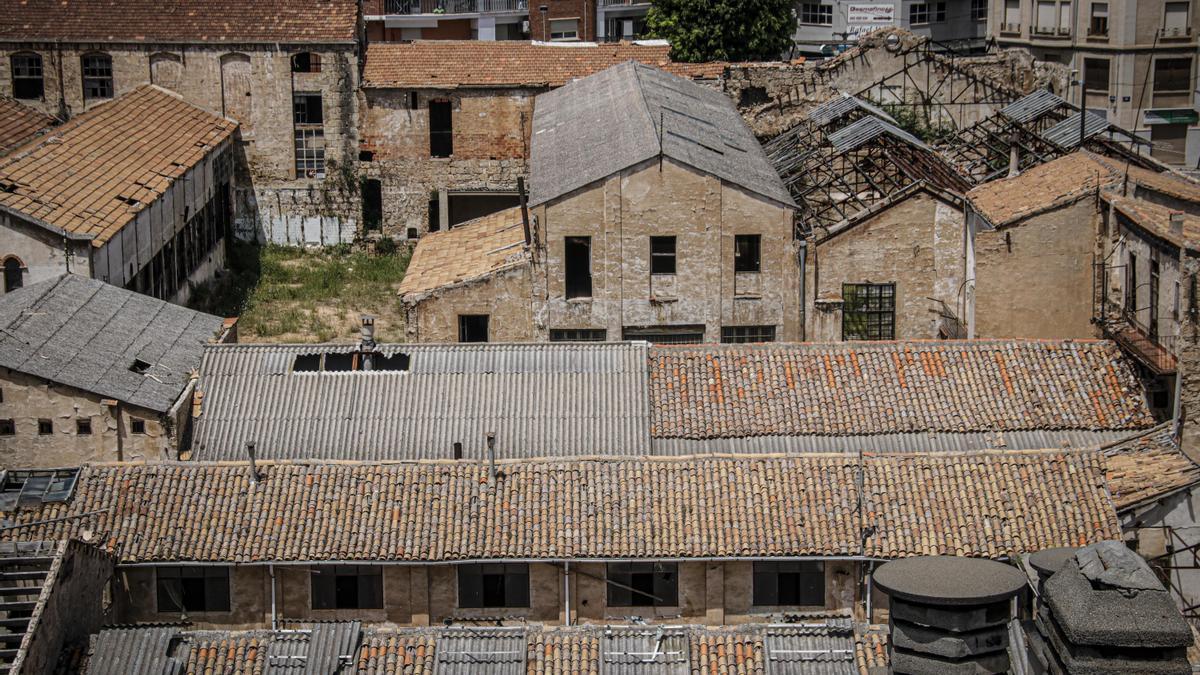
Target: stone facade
[712, 593]
[915, 244]
[505, 297]
[42, 254]
[252, 83]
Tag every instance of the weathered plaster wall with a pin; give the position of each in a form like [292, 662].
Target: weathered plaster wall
[27, 399]
[1165, 526]
[623, 211]
[504, 297]
[1034, 278]
[916, 244]
[43, 254]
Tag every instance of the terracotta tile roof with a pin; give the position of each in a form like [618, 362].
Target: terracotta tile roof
[982, 504]
[19, 123]
[507, 63]
[236, 21]
[1156, 219]
[465, 253]
[1042, 188]
[861, 388]
[1147, 466]
[1169, 183]
[871, 650]
[82, 177]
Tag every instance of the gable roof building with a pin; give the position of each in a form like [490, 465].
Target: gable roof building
[1043, 188]
[630, 113]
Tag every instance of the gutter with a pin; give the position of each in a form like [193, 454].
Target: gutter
[74, 236]
[478, 561]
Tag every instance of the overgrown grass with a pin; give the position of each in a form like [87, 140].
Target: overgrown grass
[303, 295]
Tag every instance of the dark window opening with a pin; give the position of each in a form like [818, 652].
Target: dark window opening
[83, 426]
[14, 275]
[347, 587]
[643, 584]
[435, 212]
[744, 334]
[192, 589]
[1096, 75]
[306, 62]
[493, 585]
[662, 255]
[1099, 23]
[665, 335]
[45, 427]
[469, 206]
[752, 96]
[413, 103]
[789, 583]
[366, 156]
[1154, 279]
[7, 428]
[473, 328]
[138, 426]
[343, 362]
[868, 311]
[307, 363]
[1131, 284]
[27, 80]
[1172, 75]
[411, 233]
[578, 335]
[393, 362]
[441, 129]
[747, 253]
[372, 204]
[577, 264]
[97, 76]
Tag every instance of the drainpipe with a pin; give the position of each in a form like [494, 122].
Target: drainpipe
[274, 615]
[567, 590]
[803, 272]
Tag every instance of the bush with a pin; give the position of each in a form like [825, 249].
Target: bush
[386, 246]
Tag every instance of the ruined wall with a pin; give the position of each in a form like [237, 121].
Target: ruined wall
[27, 399]
[490, 136]
[42, 254]
[703, 213]
[1169, 526]
[916, 244]
[1034, 279]
[505, 297]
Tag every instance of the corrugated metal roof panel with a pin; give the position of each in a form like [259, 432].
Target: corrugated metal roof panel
[816, 648]
[866, 130]
[1032, 106]
[635, 651]
[472, 651]
[1066, 133]
[837, 108]
[152, 650]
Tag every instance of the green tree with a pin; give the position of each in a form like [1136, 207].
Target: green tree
[724, 30]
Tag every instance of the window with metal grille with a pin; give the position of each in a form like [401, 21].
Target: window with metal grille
[347, 587]
[578, 335]
[738, 334]
[27, 82]
[665, 335]
[643, 584]
[789, 583]
[83, 426]
[662, 255]
[493, 585]
[137, 426]
[97, 76]
[308, 119]
[868, 311]
[192, 589]
[979, 9]
[1172, 75]
[747, 253]
[817, 14]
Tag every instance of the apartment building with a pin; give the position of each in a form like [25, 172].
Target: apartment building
[824, 27]
[1136, 60]
[540, 20]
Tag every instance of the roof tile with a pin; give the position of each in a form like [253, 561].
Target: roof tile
[19, 123]
[465, 253]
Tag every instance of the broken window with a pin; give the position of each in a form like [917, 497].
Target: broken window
[1131, 284]
[662, 255]
[817, 14]
[192, 589]
[747, 253]
[372, 204]
[35, 486]
[343, 362]
[306, 62]
[347, 587]
[473, 328]
[747, 334]
[789, 583]
[1099, 23]
[441, 128]
[27, 82]
[868, 311]
[14, 275]
[7, 428]
[307, 363]
[45, 427]
[97, 76]
[308, 118]
[393, 362]
[1172, 75]
[577, 266]
[643, 584]
[564, 29]
[83, 426]
[578, 335]
[493, 585]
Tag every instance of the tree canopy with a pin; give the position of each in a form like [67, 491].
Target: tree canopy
[724, 30]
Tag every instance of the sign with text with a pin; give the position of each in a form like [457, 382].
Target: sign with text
[865, 17]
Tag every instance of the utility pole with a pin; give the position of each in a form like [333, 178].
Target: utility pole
[1082, 109]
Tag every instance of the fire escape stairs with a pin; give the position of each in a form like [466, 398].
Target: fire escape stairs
[21, 581]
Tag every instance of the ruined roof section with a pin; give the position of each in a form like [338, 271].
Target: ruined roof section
[1147, 466]
[450, 64]
[87, 334]
[608, 122]
[1168, 183]
[94, 174]
[863, 388]
[182, 21]
[978, 504]
[539, 399]
[465, 253]
[1042, 188]
[1156, 219]
[20, 123]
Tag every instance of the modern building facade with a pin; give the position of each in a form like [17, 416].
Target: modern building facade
[825, 27]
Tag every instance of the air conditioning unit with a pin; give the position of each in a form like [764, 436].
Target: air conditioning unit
[525, 26]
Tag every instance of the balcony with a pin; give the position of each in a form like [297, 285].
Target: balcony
[1176, 32]
[1156, 352]
[442, 7]
[1052, 31]
[624, 3]
[1010, 28]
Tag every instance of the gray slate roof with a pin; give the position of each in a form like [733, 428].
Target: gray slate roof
[539, 399]
[607, 122]
[86, 334]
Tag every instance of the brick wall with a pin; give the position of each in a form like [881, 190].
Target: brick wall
[583, 10]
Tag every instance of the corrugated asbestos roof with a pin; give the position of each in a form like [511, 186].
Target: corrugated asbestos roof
[867, 129]
[1066, 133]
[837, 108]
[149, 650]
[1033, 106]
[811, 648]
[993, 504]
[495, 651]
[630, 650]
[88, 334]
[539, 399]
[602, 124]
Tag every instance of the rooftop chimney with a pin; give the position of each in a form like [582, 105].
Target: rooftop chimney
[253, 464]
[367, 341]
[491, 448]
[1177, 223]
[1014, 156]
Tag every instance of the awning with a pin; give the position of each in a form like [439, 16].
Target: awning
[1172, 116]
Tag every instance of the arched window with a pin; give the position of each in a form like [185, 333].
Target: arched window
[306, 62]
[14, 274]
[97, 76]
[27, 82]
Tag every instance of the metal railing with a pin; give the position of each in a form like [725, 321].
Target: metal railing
[455, 6]
[623, 3]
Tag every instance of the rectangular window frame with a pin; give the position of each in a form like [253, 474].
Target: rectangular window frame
[45, 427]
[816, 14]
[1092, 82]
[215, 594]
[8, 427]
[979, 10]
[747, 334]
[308, 123]
[329, 587]
[663, 255]
[83, 426]
[481, 585]
[96, 72]
[869, 311]
[441, 128]
[28, 78]
[1098, 20]
[642, 583]
[578, 335]
[562, 33]
[788, 583]
[1176, 78]
[577, 274]
[469, 331]
[747, 253]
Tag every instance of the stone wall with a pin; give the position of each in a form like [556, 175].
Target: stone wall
[504, 297]
[43, 255]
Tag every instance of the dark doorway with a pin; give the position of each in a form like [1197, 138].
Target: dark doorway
[577, 257]
[13, 277]
[441, 129]
[372, 204]
[464, 207]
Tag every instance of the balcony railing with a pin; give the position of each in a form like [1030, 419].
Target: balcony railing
[1010, 28]
[1156, 352]
[623, 3]
[1177, 32]
[455, 6]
